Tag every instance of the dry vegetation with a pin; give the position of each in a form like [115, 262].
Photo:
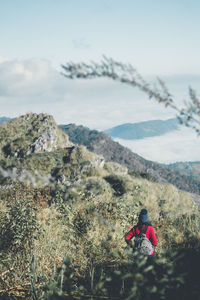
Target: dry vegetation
[89, 225]
[66, 241]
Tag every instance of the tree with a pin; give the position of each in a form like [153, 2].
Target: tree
[189, 115]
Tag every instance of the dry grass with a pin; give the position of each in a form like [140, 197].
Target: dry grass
[90, 227]
[51, 245]
[93, 228]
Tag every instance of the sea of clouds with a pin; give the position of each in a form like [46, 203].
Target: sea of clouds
[175, 146]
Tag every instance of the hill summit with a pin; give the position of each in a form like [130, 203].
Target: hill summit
[34, 144]
[31, 133]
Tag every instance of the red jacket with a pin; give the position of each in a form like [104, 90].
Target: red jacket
[150, 234]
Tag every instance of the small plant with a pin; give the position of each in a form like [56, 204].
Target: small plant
[117, 183]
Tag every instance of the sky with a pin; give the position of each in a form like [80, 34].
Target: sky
[159, 38]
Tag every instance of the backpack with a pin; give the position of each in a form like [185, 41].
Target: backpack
[142, 244]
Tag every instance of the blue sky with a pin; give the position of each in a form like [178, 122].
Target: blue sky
[159, 38]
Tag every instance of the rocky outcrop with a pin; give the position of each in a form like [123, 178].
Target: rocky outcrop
[31, 133]
[48, 141]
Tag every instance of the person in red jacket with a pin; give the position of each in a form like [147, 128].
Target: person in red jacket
[144, 225]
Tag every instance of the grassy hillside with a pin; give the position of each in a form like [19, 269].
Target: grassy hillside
[87, 223]
[63, 238]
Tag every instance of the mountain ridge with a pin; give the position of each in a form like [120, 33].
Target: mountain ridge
[102, 144]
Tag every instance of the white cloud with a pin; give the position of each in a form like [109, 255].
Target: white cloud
[26, 78]
[2, 59]
[179, 145]
[34, 85]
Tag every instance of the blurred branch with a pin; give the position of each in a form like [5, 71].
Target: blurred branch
[189, 115]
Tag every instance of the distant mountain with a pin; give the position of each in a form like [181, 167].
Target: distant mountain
[188, 168]
[4, 120]
[135, 131]
[102, 144]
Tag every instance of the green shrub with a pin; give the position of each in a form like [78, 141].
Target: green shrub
[18, 225]
[117, 183]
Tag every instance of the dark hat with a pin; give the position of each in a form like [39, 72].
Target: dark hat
[143, 216]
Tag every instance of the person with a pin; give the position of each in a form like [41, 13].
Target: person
[143, 226]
